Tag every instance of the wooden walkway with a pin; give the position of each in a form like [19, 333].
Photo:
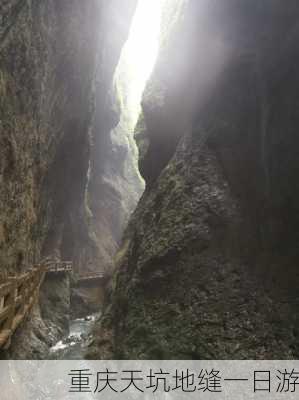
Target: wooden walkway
[96, 276]
[18, 295]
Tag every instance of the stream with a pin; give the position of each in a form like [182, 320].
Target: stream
[73, 346]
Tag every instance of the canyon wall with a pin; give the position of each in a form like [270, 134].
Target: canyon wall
[51, 55]
[114, 184]
[48, 61]
[208, 267]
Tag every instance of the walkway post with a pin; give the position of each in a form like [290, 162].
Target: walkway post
[11, 303]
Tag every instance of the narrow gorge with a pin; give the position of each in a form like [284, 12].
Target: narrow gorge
[149, 179]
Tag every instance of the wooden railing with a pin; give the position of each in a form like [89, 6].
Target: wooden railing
[18, 295]
[59, 266]
[90, 277]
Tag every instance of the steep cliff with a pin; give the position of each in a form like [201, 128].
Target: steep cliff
[114, 185]
[47, 73]
[51, 54]
[208, 267]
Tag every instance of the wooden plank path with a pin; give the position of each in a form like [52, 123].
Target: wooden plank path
[95, 276]
[18, 295]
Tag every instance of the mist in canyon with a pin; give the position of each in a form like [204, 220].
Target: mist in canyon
[149, 179]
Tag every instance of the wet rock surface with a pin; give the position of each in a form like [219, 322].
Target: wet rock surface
[74, 346]
[85, 301]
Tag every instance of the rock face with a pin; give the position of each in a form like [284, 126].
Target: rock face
[52, 53]
[208, 267]
[47, 322]
[114, 185]
[47, 73]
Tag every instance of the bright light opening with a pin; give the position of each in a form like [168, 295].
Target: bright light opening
[138, 59]
[151, 24]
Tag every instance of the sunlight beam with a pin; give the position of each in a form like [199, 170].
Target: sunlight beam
[137, 60]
